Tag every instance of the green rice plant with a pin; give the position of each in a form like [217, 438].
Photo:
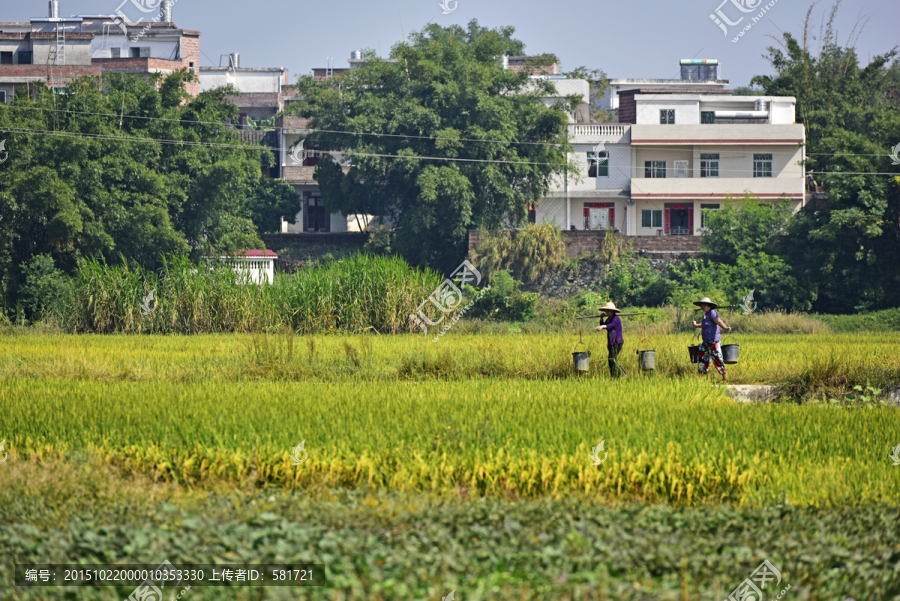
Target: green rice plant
[668, 440]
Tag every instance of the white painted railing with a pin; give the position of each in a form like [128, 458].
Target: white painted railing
[598, 129]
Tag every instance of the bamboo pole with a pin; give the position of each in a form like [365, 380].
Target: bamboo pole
[621, 315]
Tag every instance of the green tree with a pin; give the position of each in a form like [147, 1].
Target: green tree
[847, 246]
[411, 128]
[743, 228]
[126, 167]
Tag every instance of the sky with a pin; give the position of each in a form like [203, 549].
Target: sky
[625, 38]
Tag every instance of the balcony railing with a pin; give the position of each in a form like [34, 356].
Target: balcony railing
[598, 129]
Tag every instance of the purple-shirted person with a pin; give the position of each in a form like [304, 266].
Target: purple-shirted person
[614, 341]
[711, 348]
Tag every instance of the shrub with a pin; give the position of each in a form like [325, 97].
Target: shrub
[527, 253]
[380, 240]
[46, 287]
[504, 300]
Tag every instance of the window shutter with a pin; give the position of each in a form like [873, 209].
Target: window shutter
[668, 222]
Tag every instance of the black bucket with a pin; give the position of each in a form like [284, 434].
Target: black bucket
[695, 353]
[647, 360]
[730, 353]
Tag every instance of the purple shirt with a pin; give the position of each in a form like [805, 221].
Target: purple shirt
[614, 330]
[710, 328]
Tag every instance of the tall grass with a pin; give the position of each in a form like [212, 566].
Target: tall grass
[356, 294]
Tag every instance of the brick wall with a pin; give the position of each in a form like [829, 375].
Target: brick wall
[582, 242]
[190, 53]
[60, 73]
[337, 239]
[627, 108]
[299, 173]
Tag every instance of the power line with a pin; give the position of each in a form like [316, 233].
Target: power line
[732, 153]
[439, 138]
[634, 168]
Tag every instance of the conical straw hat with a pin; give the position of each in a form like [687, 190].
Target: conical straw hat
[705, 301]
[610, 307]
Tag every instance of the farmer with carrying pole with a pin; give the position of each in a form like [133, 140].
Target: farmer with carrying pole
[614, 341]
[711, 347]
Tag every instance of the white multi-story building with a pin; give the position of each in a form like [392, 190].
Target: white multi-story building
[691, 152]
[680, 148]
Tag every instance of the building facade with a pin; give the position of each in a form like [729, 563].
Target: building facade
[680, 148]
[54, 50]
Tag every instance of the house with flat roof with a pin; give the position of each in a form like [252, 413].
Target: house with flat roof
[54, 50]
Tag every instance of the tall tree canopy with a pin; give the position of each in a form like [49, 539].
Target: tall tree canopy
[847, 247]
[127, 167]
[441, 141]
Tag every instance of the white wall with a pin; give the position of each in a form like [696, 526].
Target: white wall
[619, 170]
[249, 82]
[687, 112]
[166, 47]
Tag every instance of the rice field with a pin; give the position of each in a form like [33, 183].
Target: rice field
[471, 463]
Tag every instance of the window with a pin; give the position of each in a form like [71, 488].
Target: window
[191, 64]
[6, 58]
[654, 168]
[681, 168]
[26, 57]
[709, 165]
[762, 165]
[707, 116]
[143, 52]
[704, 211]
[3, 96]
[651, 218]
[598, 164]
[667, 116]
[115, 52]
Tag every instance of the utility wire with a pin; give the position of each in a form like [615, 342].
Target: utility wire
[439, 138]
[634, 168]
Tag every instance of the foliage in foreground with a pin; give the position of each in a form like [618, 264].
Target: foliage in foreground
[395, 546]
